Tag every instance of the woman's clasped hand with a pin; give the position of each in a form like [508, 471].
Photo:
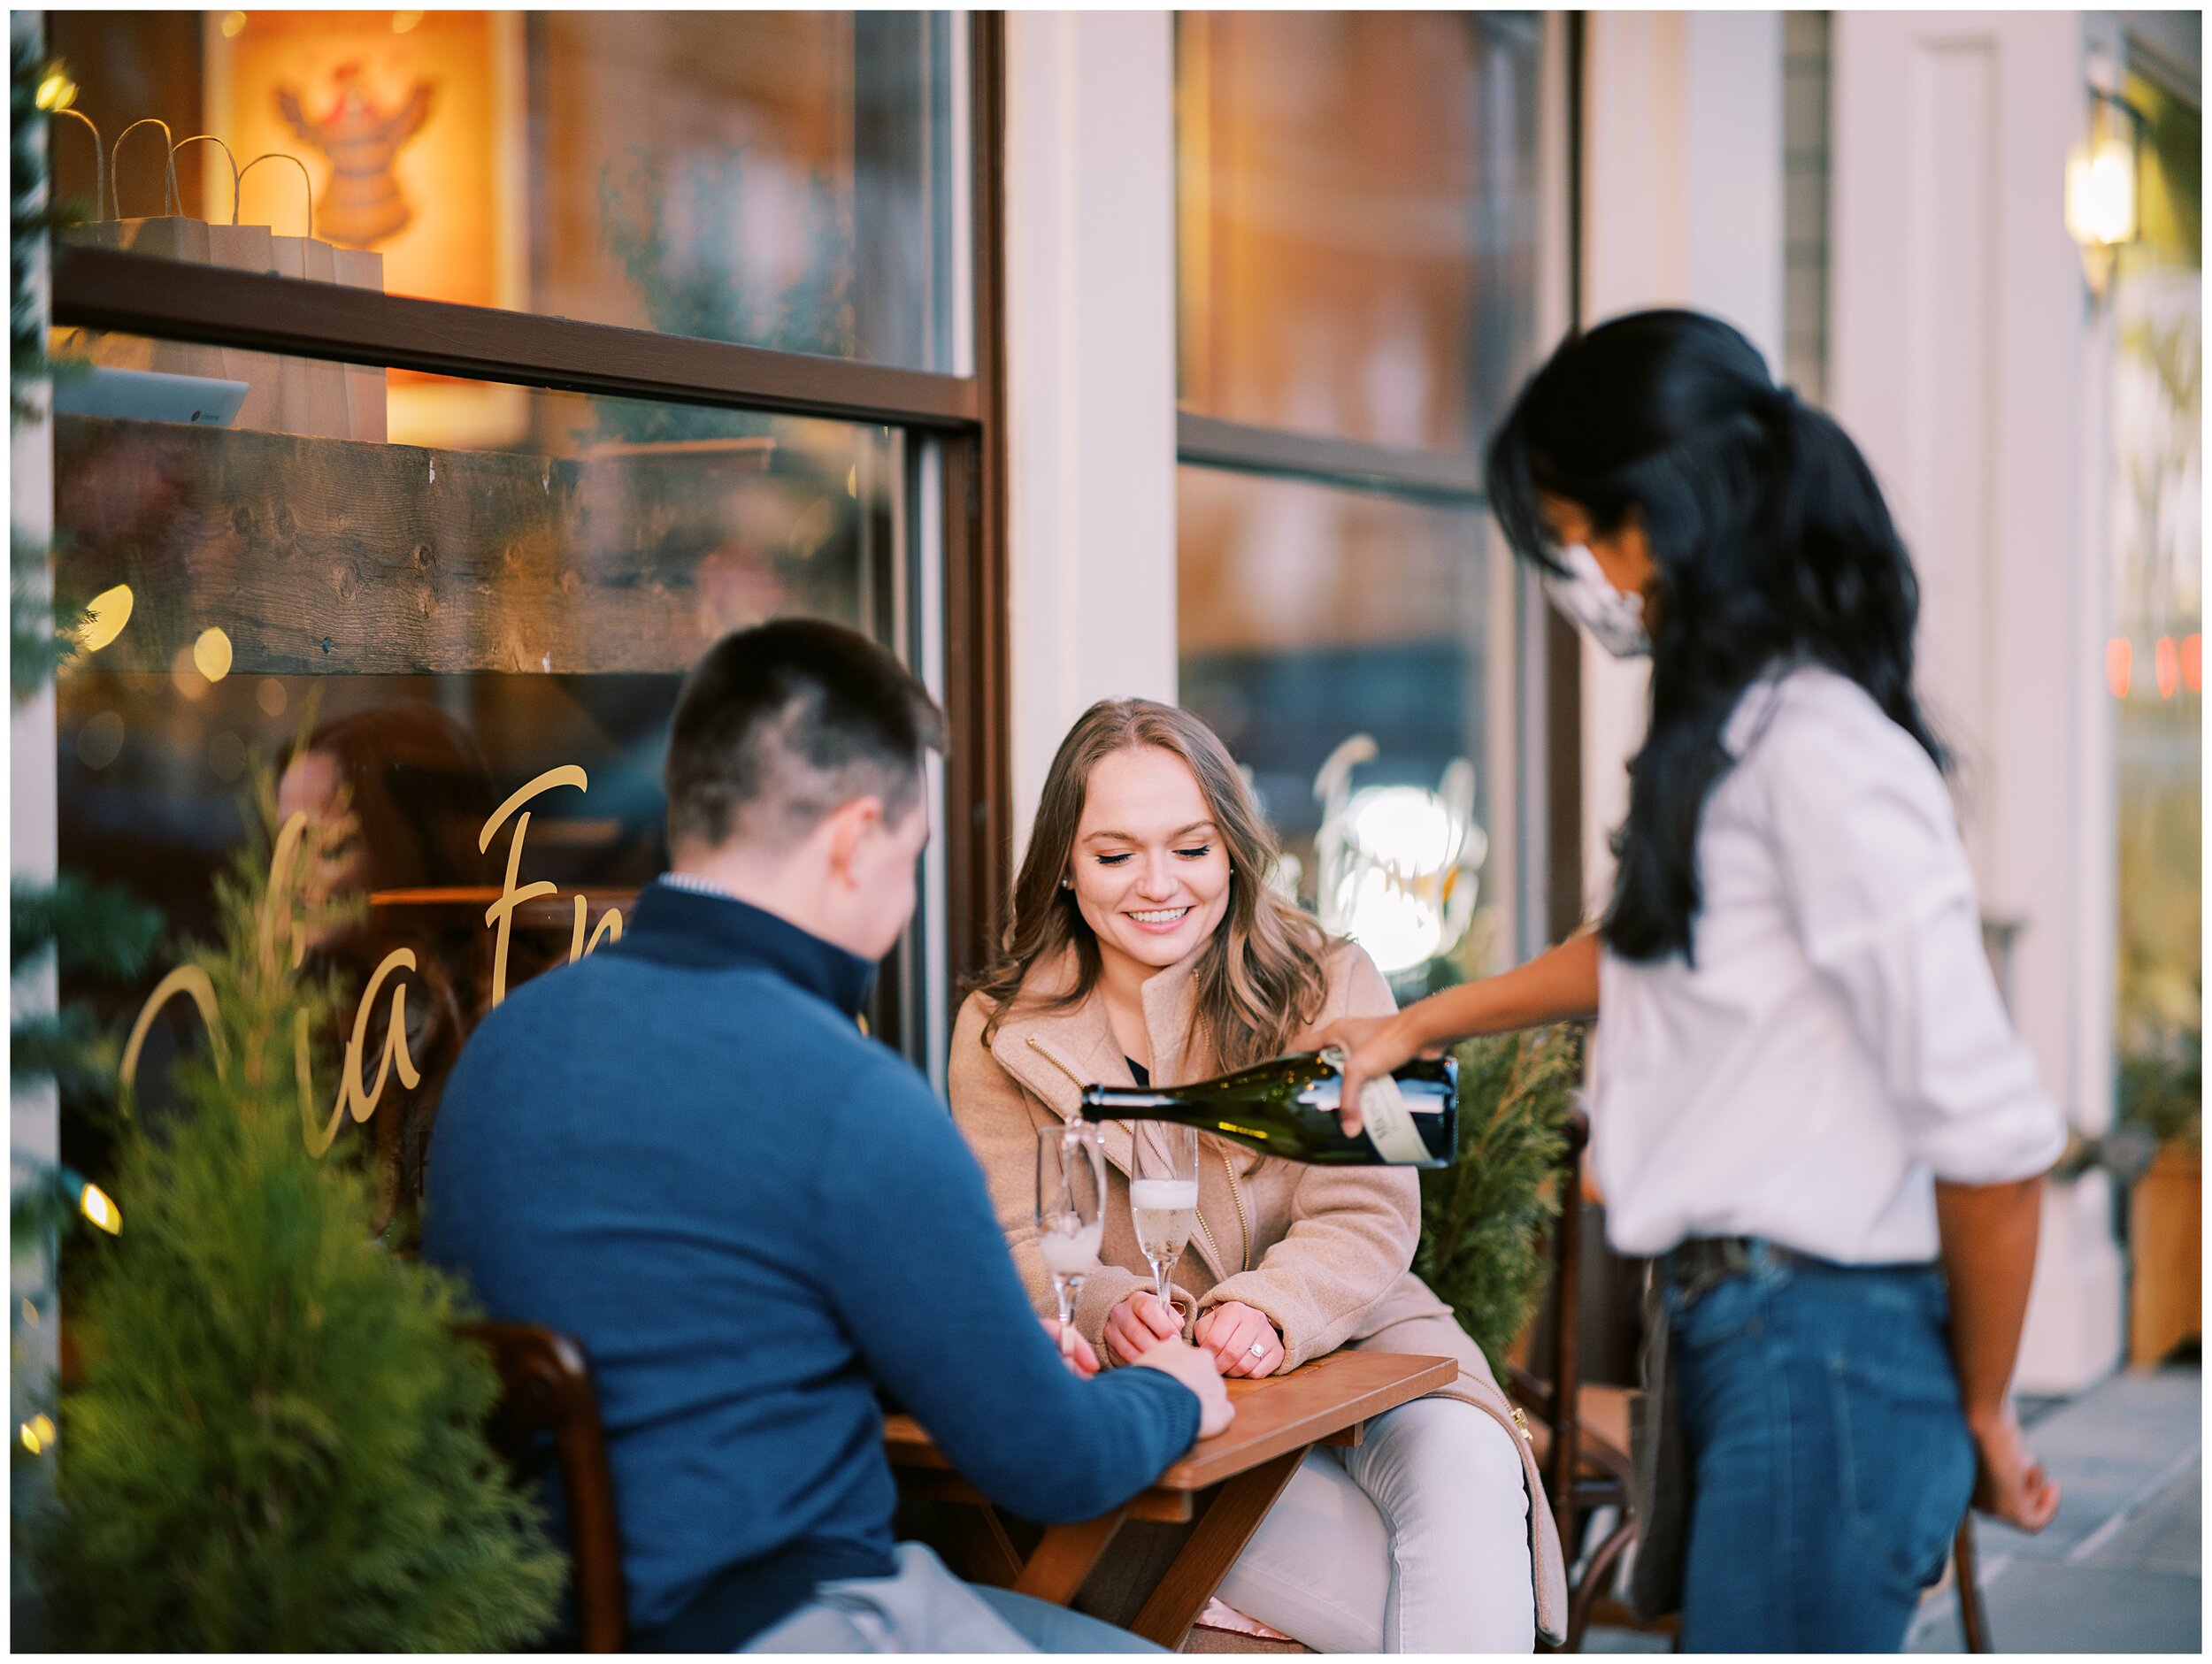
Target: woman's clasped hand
[1241, 1341]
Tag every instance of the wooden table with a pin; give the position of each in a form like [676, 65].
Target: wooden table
[1211, 1501]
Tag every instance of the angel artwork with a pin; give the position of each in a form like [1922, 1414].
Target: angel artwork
[362, 207]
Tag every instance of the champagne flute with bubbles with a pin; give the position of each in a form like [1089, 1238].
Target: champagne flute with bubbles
[1163, 1196]
[1071, 1213]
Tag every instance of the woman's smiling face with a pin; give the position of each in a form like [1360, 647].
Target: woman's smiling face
[1150, 871]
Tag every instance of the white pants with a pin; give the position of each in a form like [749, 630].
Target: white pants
[1414, 1541]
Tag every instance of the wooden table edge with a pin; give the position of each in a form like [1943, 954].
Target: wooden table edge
[907, 1445]
[1202, 1467]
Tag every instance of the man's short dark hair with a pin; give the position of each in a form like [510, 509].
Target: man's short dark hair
[780, 724]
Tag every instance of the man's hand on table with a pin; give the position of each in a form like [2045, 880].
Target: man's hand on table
[1075, 1351]
[1194, 1366]
[1138, 1324]
[1241, 1339]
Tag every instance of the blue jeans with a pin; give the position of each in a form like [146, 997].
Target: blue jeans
[1829, 1457]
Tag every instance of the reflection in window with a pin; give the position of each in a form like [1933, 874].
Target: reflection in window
[1358, 199]
[2154, 662]
[425, 631]
[1340, 643]
[777, 179]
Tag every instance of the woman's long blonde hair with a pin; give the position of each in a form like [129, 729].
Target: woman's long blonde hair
[1259, 976]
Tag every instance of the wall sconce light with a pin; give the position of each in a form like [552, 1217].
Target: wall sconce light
[2104, 182]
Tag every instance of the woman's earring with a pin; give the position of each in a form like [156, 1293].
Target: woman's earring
[1067, 884]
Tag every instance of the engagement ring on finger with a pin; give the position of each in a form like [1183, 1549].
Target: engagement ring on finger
[1259, 1349]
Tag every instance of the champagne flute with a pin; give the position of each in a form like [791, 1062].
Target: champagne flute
[1071, 1213]
[1163, 1196]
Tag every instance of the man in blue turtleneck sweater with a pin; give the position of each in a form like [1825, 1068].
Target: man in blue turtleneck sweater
[683, 1151]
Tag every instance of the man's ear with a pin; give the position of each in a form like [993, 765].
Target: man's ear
[849, 826]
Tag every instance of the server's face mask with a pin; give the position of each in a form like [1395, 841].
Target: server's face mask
[1588, 597]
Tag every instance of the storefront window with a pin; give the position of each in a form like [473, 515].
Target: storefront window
[478, 644]
[1358, 200]
[1339, 642]
[782, 179]
[1363, 200]
[2155, 659]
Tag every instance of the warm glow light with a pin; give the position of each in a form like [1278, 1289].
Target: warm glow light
[186, 676]
[43, 1426]
[403, 21]
[30, 1312]
[211, 654]
[2119, 665]
[2192, 662]
[2167, 659]
[2101, 194]
[1397, 863]
[1405, 827]
[57, 91]
[233, 24]
[30, 1438]
[96, 1208]
[269, 697]
[1398, 928]
[111, 610]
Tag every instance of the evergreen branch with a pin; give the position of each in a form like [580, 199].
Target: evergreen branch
[276, 1444]
[1486, 1218]
[67, 1046]
[99, 929]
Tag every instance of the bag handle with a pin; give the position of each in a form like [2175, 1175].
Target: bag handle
[99, 162]
[306, 178]
[174, 201]
[209, 138]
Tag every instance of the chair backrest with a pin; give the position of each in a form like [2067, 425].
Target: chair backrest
[545, 1389]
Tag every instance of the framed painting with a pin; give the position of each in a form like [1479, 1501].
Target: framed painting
[410, 126]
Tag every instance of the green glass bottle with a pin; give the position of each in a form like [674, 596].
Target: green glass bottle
[1286, 1107]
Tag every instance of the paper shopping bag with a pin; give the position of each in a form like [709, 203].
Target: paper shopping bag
[365, 402]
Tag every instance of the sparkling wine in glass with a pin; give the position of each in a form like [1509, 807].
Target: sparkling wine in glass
[1071, 1213]
[1163, 1196]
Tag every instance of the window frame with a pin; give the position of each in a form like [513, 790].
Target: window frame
[961, 416]
[1547, 763]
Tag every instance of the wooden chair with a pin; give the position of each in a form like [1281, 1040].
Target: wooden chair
[1583, 1454]
[1585, 1458]
[545, 1389]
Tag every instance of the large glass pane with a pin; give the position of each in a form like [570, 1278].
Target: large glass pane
[776, 177]
[1357, 218]
[1346, 649]
[447, 621]
[2155, 660]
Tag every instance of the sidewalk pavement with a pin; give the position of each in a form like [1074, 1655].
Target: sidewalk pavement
[2120, 1569]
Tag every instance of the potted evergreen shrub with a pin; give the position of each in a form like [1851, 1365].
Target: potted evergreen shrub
[276, 1440]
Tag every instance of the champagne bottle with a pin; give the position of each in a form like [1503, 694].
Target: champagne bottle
[1287, 1106]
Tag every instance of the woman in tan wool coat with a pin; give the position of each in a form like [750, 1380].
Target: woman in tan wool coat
[1145, 940]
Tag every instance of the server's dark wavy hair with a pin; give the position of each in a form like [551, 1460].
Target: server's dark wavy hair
[1771, 542]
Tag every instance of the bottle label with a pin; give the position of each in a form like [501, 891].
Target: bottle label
[1387, 1117]
[1389, 1123]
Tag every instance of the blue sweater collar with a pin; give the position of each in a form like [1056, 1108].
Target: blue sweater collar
[706, 931]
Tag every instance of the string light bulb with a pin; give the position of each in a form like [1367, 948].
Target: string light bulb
[107, 613]
[55, 91]
[95, 1205]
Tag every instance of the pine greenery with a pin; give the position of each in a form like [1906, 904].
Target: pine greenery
[277, 1444]
[99, 930]
[1485, 1219]
[68, 925]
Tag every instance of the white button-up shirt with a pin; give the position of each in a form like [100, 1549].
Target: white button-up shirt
[1838, 1043]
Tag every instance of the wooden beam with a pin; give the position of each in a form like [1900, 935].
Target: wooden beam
[320, 554]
